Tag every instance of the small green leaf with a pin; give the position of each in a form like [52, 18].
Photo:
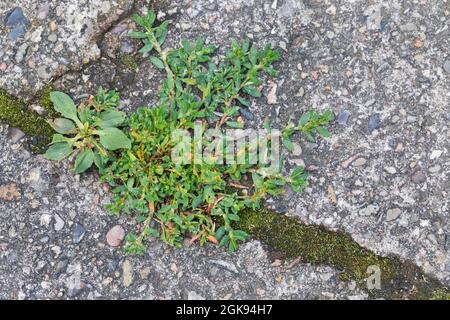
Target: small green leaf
[252, 91]
[304, 119]
[137, 35]
[62, 125]
[64, 104]
[58, 151]
[147, 48]
[323, 132]
[113, 139]
[243, 101]
[84, 161]
[157, 62]
[288, 143]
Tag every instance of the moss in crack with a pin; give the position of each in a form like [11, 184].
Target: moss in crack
[129, 61]
[44, 101]
[316, 245]
[13, 111]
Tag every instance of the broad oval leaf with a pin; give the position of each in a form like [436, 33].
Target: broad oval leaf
[84, 161]
[113, 139]
[111, 118]
[58, 151]
[64, 104]
[62, 125]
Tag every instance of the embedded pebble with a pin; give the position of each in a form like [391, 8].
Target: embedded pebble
[343, 117]
[127, 273]
[435, 154]
[15, 135]
[374, 122]
[17, 22]
[59, 223]
[115, 236]
[447, 66]
[359, 162]
[78, 233]
[393, 214]
[390, 170]
[370, 210]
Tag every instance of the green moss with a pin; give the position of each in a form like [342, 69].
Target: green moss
[314, 244]
[14, 112]
[130, 62]
[45, 102]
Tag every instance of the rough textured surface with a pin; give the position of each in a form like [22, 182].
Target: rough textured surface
[383, 177]
[41, 40]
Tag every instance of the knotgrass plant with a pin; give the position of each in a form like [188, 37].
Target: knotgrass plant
[174, 199]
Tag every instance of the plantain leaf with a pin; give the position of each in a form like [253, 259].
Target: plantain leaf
[84, 161]
[62, 125]
[58, 151]
[64, 104]
[113, 139]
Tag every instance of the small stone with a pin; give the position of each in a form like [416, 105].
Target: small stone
[359, 162]
[53, 26]
[115, 236]
[296, 149]
[370, 210]
[61, 266]
[127, 47]
[127, 273]
[227, 265]
[434, 169]
[399, 148]
[390, 170]
[393, 214]
[21, 52]
[43, 73]
[418, 43]
[43, 11]
[343, 117]
[374, 122]
[395, 119]
[16, 17]
[3, 66]
[331, 195]
[435, 154]
[52, 37]
[331, 10]
[59, 223]
[246, 113]
[78, 233]
[272, 95]
[34, 204]
[45, 219]
[17, 22]
[447, 66]
[185, 26]
[144, 273]
[9, 192]
[301, 92]
[14, 135]
[418, 177]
